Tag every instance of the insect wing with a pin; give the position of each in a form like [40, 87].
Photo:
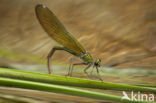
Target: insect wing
[56, 30]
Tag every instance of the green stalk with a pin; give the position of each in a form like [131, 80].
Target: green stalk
[70, 81]
[146, 85]
[62, 89]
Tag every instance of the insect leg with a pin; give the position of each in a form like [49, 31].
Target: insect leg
[71, 60]
[91, 73]
[85, 70]
[76, 64]
[98, 73]
[51, 54]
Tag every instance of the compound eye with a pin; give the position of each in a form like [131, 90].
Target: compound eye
[99, 63]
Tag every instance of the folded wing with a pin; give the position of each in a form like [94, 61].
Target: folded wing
[56, 30]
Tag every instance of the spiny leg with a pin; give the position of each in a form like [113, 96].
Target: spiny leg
[98, 73]
[71, 60]
[85, 70]
[74, 65]
[51, 54]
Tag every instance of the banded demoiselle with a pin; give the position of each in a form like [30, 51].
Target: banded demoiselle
[58, 32]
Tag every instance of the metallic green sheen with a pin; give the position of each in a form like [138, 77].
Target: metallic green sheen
[88, 58]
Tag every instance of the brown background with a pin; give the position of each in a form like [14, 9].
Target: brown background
[122, 31]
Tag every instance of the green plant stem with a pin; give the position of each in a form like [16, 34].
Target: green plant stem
[146, 85]
[70, 81]
[61, 89]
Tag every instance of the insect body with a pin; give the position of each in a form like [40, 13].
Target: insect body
[57, 31]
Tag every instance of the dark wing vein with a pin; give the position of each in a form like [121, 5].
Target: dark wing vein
[56, 30]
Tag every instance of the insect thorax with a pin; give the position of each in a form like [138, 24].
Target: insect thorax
[87, 57]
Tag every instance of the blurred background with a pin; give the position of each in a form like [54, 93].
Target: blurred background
[122, 33]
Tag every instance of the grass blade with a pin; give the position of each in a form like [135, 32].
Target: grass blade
[70, 81]
[61, 89]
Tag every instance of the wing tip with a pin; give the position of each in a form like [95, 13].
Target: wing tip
[40, 6]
